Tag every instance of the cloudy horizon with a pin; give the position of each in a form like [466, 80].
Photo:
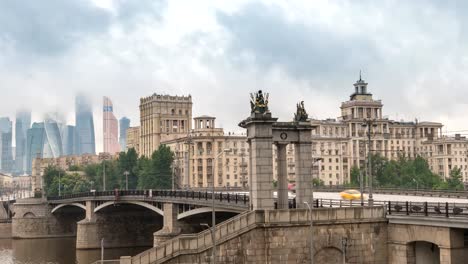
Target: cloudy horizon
[412, 54]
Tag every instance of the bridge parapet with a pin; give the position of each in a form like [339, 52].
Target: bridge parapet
[185, 245]
[222, 200]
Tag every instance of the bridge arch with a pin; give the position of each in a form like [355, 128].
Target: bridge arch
[29, 215]
[68, 204]
[330, 255]
[423, 252]
[203, 210]
[143, 204]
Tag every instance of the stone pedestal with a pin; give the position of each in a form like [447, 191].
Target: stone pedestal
[260, 138]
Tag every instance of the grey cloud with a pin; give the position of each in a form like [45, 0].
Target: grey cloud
[52, 27]
[399, 45]
[49, 27]
[305, 51]
[132, 11]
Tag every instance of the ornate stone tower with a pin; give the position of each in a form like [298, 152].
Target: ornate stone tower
[262, 132]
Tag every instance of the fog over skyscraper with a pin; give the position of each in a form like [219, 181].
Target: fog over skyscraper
[6, 152]
[85, 140]
[124, 125]
[23, 123]
[110, 127]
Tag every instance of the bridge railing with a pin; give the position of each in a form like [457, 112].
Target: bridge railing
[407, 191]
[427, 209]
[237, 198]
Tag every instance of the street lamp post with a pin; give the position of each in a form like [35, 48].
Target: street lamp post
[126, 173]
[59, 187]
[368, 123]
[361, 187]
[311, 233]
[104, 175]
[417, 184]
[213, 254]
[213, 215]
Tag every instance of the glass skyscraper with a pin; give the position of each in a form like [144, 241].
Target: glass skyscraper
[69, 140]
[43, 141]
[124, 125]
[85, 139]
[23, 123]
[6, 151]
[34, 144]
[110, 127]
[53, 140]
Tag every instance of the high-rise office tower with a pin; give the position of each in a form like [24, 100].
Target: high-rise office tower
[53, 139]
[124, 125]
[84, 126]
[23, 123]
[34, 144]
[43, 141]
[69, 140]
[6, 152]
[110, 127]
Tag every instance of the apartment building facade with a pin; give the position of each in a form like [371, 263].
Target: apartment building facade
[163, 118]
[201, 157]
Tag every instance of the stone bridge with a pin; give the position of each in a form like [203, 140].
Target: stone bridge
[123, 218]
[345, 232]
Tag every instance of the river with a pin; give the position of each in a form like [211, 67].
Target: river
[54, 251]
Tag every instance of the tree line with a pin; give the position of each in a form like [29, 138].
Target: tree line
[154, 172]
[406, 173]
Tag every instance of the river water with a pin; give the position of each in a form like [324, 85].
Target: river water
[54, 251]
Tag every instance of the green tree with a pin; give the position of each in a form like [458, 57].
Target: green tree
[51, 175]
[454, 182]
[317, 182]
[355, 176]
[128, 162]
[156, 173]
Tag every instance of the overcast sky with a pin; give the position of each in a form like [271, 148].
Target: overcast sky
[413, 54]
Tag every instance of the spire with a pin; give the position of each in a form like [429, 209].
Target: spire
[360, 79]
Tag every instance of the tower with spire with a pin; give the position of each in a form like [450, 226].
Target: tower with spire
[360, 90]
[361, 105]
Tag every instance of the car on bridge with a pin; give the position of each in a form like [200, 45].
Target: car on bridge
[352, 195]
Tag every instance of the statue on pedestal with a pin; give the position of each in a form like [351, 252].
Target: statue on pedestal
[301, 114]
[259, 102]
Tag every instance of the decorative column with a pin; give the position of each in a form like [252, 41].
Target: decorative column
[260, 136]
[282, 172]
[303, 159]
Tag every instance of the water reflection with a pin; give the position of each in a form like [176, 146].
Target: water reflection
[44, 250]
[54, 251]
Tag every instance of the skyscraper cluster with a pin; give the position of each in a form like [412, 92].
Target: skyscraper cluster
[53, 138]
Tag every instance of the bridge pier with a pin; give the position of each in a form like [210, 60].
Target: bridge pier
[33, 219]
[172, 227]
[120, 225]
